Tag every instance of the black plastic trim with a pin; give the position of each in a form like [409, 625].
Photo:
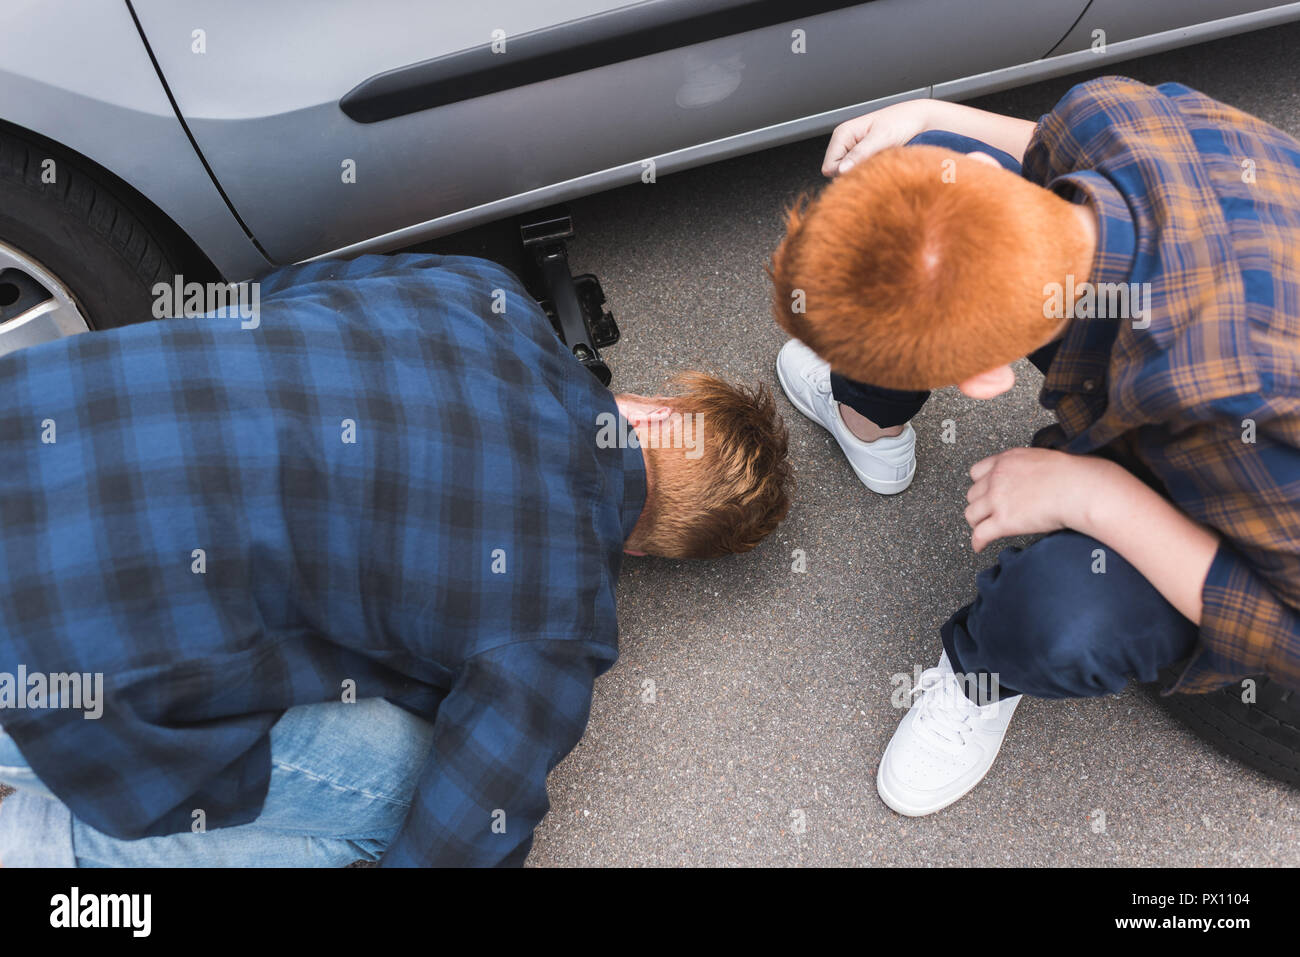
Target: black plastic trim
[599, 40]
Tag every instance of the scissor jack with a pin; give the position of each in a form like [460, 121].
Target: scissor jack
[574, 304]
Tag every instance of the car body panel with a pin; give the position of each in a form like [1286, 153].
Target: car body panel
[1125, 20]
[78, 73]
[263, 104]
[1115, 52]
[1077, 51]
[261, 101]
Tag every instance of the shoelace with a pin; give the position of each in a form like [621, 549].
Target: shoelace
[944, 711]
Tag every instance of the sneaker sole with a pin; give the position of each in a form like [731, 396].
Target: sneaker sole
[879, 486]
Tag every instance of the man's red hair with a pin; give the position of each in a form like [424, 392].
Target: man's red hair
[922, 267]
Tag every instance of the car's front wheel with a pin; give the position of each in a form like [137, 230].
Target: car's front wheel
[75, 253]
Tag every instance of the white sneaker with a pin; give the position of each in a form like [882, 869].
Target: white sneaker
[944, 746]
[886, 465]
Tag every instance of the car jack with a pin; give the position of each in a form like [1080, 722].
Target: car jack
[574, 304]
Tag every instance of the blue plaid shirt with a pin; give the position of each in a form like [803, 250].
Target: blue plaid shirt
[457, 556]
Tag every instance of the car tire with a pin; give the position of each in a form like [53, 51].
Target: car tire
[104, 247]
[1264, 734]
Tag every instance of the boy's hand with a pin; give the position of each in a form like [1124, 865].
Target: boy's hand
[854, 140]
[1028, 491]
[1034, 491]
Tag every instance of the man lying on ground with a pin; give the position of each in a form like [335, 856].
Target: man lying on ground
[347, 577]
[1140, 246]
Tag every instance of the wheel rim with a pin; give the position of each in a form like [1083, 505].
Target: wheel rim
[34, 305]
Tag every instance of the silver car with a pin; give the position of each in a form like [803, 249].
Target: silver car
[142, 140]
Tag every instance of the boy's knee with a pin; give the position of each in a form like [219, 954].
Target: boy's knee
[1044, 614]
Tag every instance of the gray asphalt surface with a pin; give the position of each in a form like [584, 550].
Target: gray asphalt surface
[772, 688]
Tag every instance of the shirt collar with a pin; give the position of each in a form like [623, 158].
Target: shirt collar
[1116, 232]
[1081, 361]
[634, 482]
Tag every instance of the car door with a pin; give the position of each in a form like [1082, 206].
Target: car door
[328, 123]
[1114, 21]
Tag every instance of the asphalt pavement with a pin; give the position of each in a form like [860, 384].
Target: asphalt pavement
[746, 716]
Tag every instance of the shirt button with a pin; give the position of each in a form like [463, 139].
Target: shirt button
[1089, 385]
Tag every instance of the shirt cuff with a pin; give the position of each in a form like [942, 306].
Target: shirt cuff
[1233, 643]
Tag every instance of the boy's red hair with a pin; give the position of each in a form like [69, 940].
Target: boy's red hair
[922, 267]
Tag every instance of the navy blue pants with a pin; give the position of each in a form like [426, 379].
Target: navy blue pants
[1065, 617]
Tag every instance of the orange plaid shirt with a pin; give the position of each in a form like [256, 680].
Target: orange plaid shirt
[1199, 203]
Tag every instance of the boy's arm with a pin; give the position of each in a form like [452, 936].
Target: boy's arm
[1028, 491]
[1246, 627]
[855, 140]
[1171, 551]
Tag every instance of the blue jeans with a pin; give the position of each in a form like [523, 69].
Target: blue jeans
[342, 779]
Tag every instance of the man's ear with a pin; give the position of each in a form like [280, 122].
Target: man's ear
[987, 385]
[644, 414]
